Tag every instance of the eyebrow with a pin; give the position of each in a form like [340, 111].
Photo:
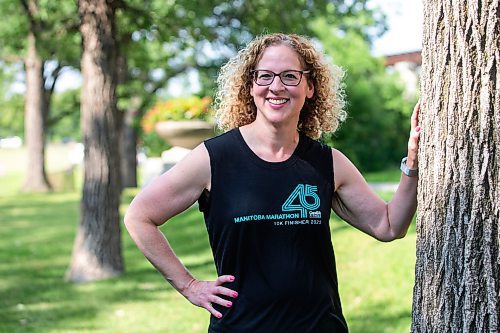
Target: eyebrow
[290, 69]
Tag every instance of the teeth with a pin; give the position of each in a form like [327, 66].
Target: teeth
[277, 101]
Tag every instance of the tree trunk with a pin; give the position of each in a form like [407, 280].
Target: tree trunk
[128, 154]
[97, 249]
[457, 269]
[129, 149]
[34, 129]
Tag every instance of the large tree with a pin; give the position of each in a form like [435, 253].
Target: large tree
[97, 249]
[457, 282]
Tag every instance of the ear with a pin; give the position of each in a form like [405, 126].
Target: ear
[310, 89]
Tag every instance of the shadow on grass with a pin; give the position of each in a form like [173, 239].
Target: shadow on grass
[36, 239]
[37, 234]
[379, 318]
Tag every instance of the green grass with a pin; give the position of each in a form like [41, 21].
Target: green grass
[385, 176]
[36, 239]
[37, 233]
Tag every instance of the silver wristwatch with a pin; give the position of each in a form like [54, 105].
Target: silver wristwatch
[407, 171]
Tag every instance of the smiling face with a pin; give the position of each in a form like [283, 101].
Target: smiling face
[278, 103]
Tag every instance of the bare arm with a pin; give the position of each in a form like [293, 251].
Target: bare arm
[173, 192]
[359, 205]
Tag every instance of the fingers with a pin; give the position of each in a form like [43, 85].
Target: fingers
[227, 292]
[414, 116]
[412, 160]
[206, 293]
[415, 129]
[219, 290]
[216, 300]
[413, 141]
[223, 290]
[224, 279]
[214, 312]
[221, 301]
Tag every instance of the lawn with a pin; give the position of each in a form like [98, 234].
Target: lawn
[36, 238]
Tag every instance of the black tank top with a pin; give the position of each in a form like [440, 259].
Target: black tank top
[268, 225]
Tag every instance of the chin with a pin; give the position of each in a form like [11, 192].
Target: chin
[280, 119]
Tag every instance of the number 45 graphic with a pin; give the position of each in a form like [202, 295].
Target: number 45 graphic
[301, 192]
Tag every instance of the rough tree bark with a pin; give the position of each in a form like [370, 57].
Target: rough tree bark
[457, 269]
[129, 149]
[128, 153]
[35, 112]
[97, 250]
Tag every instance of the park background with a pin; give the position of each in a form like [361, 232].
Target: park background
[37, 231]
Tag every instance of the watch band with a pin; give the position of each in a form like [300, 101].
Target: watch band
[406, 170]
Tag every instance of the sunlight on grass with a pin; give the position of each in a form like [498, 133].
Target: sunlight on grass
[375, 280]
[11, 183]
[37, 233]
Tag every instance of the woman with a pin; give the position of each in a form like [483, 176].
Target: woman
[266, 189]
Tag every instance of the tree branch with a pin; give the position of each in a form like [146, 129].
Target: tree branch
[31, 10]
[11, 58]
[55, 75]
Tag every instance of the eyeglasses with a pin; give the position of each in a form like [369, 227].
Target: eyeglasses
[264, 77]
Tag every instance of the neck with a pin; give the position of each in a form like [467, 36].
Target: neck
[271, 143]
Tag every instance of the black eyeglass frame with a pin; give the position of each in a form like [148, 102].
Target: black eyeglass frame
[253, 71]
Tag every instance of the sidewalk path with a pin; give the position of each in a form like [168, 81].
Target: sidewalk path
[385, 187]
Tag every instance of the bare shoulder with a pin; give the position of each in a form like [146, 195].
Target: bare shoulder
[345, 171]
[195, 166]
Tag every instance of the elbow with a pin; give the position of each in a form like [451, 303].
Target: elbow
[128, 221]
[390, 230]
[135, 221]
[131, 220]
[402, 234]
[390, 236]
[134, 226]
[385, 238]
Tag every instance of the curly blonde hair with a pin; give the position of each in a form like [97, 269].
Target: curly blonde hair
[234, 106]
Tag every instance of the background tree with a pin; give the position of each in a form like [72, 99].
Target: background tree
[174, 38]
[47, 27]
[97, 249]
[457, 269]
[11, 103]
[35, 108]
[157, 41]
[154, 46]
[63, 124]
[375, 133]
[201, 36]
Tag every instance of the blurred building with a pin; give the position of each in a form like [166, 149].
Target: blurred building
[408, 65]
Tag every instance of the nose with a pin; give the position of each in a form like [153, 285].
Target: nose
[276, 85]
